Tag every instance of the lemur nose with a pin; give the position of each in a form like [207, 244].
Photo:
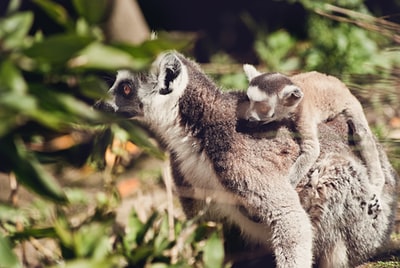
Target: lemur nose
[252, 119]
[103, 106]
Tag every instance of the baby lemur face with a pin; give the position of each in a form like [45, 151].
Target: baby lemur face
[272, 96]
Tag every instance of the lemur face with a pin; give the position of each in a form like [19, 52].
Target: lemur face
[123, 95]
[142, 97]
[272, 96]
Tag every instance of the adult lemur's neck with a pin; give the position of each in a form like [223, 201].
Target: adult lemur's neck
[209, 115]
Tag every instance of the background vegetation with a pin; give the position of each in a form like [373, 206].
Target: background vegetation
[54, 144]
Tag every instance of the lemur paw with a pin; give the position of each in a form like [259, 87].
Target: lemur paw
[374, 206]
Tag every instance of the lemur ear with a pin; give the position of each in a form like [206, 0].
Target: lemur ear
[291, 95]
[250, 71]
[169, 69]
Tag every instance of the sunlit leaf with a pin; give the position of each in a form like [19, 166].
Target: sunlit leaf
[146, 227]
[89, 238]
[55, 11]
[28, 170]
[58, 48]
[92, 11]
[12, 214]
[106, 262]
[141, 254]
[213, 252]
[7, 256]
[99, 56]
[76, 196]
[56, 109]
[18, 103]
[133, 229]
[63, 233]
[11, 78]
[103, 248]
[13, 29]
[93, 87]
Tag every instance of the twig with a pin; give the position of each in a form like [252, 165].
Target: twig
[166, 174]
[14, 189]
[170, 205]
[47, 253]
[365, 21]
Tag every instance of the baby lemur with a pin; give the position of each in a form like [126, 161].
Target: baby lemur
[274, 96]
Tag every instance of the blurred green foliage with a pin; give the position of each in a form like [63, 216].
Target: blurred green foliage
[48, 84]
[332, 46]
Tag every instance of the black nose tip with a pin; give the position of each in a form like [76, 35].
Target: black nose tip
[103, 106]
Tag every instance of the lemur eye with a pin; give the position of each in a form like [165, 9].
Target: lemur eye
[125, 89]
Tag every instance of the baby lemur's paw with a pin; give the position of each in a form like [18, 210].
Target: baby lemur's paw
[374, 206]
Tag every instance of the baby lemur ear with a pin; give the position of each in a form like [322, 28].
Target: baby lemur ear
[169, 69]
[291, 95]
[250, 71]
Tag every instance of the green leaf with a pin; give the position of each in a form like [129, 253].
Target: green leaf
[28, 170]
[57, 110]
[213, 252]
[12, 214]
[99, 56]
[58, 48]
[93, 87]
[93, 11]
[111, 261]
[88, 238]
[7, 256]
[133, 228]
[139, 137]
[63, 233]
[102, 140]
[161, 241]
[55, 11]
[11, 78]
[13, 29]
[35, 232]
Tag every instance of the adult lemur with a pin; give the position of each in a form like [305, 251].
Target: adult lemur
[214, 157]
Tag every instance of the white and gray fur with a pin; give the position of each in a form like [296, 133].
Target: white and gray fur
[214, 157]
[274, 96]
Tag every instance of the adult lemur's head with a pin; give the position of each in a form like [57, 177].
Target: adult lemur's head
[123, 95]
[153, 97]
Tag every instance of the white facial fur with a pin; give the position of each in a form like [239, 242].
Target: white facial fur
[255, 94]
[262, 106]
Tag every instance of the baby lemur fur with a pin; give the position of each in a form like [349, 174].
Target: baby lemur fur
[274, 96]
